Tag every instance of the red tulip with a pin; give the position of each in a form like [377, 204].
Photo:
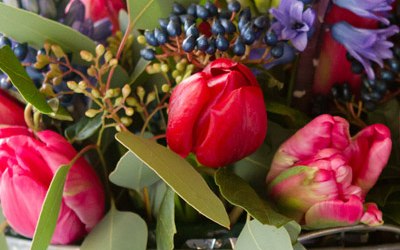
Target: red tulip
[219, 114]
[28, 163]
[11, 112]
[320, 176]
[99, 9]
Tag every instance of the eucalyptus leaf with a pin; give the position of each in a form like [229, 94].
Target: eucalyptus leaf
[84, 128]
[239, 193]
[132, 173]
[3, 242]
[10, 65]
[178, 174]
[294, 229]
[118, 231]
[297, 118]
[50, 210]
[257, 236]
[119, 78]
[165, 229]
[139, 69]
[144, 14]
[25, 26]
[157, 192]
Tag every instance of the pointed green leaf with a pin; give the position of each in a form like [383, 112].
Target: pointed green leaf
[178, 174]
[25, 26]
[10, 65]
[132, 173]
[239, 193]
[50, 210]
[165, 229]
[297, 118]
[117, 231]
[257, 236]
[84, 128]
[144, 14]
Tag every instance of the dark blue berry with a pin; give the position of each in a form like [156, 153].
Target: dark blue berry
[5, 41]
[335, 91]
[376, 96]
[192, 31]
[261, 22]
[387, 75]
[239, 47]
[349, 57]
[212, 9]
[148, 54]
[248, 34]
[277, 51]
[270, 38]
[161, 36]
[230, 28]
[178, 9]
[5, 82]
[396, 51]
[369, 106]
[202, 43]
[217, 27]
[202, 12]
[365, 95]
[191, 10]
[394, 65]
[175, 18]
[357, 67]
[183, 18]
[346, 92]
[163, 22]
[307, 1]
[243, 22]
[189, 43]
[187, 23]
[211, 46]
[245, 13]
[222, 43]
[234, 6]
[21, 50]
[225, 14]
[174, 29]
[381, 87]
[151, 38]
[368, 83]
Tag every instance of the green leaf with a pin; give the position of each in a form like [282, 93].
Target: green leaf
[157, 192]
[10, 65]
[118, 231]
[166, 229]
[132, 173]
[84, 128]
[25, 26]
[50, 210]
[239, 193]
[297, 118]
[257, 236]
[3, 241]
[144, 14]
[139, 69]
[294, 229]
[178, 174]
[119, 78]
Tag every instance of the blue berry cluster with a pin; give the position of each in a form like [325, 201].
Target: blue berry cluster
[199, 31]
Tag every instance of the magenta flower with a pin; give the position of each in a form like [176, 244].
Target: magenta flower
[28, 163]
[365, 45]
[373, 9]
[320, 176]
[292, 23]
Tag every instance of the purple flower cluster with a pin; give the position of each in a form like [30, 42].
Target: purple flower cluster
[293, 23]
[365, 45]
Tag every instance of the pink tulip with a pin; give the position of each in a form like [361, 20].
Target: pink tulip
[99, 9]
[11, 112]
[28, 163]
[219, 114]
[320, 176]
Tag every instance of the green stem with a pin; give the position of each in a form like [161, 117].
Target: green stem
[292, 81]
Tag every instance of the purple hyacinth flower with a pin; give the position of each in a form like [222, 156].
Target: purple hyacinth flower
[365, 45]
[292, 23]
[374, 9]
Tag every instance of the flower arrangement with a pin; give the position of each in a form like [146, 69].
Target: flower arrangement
[149, 124]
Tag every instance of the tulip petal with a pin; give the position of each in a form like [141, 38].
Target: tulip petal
[56, 143]
[333, 213]
[368, 154]
[244, 108]
[12, 112]
[8, 131]
[300, 187]
[372, 216]
[187, 101]
[325, 131]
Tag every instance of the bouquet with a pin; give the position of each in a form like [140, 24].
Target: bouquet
[170, 124]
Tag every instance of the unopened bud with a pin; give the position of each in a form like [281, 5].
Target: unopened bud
[140, 92]
[164, 68]
[108, 56]
[156, 67]
[118, 101]
[126, 121]
[82, 85]
[178, 79]
[47, 89]
[57, 80]
[58, 51]
[113, 62]
[91, 71]
[150, 97]
[126, 90]
[129, 111]
[165, 88]
[175, 73]
[100, 50]
[91, 113]
[109, 93]
[131, 101]
[86, 55]
[95, 93]
[118, 128]
[141, 39]
[72, 85]
[180, 66]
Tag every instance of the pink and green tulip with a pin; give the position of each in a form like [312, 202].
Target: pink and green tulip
[320, 176]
